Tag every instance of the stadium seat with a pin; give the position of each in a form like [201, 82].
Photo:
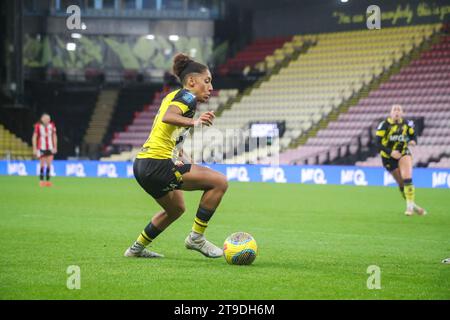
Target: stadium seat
[257, 52]
[11, 147]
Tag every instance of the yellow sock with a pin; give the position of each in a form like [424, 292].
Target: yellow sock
[144, 239]
[410, 193]
[199, 226]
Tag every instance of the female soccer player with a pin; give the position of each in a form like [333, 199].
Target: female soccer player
[45, 144]
[159, 171]
[394, 135]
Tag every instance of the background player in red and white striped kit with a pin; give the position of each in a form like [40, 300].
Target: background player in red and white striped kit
[45, 146]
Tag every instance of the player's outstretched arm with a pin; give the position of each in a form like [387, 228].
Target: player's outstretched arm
[175, 117]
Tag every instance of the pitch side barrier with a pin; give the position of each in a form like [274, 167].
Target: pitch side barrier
[335, 175]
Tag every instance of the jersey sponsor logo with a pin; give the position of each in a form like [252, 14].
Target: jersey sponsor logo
[17, 168]
[316, 176]
[109, 170]
[388, 179]
[238, 173]
[188, 97]
[440, 179]
[273, 173]
[356, 177]
[75, 169]
[397, 138]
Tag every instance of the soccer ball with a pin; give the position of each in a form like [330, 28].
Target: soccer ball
[240, 248]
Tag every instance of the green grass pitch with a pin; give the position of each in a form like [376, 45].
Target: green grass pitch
[315, 242]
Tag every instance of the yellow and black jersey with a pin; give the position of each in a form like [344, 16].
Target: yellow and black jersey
[164, 137]
[394, 136]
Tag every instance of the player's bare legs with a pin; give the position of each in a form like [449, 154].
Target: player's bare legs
[398, 178]
[214, 185]
[173, 205]
[405, 165]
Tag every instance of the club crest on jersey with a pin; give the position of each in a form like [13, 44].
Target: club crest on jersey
[411, 123]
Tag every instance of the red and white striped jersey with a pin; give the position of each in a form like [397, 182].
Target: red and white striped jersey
[45, 135]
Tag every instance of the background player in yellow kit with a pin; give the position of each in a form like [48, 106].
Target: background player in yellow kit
[394, 135]
[160, 173]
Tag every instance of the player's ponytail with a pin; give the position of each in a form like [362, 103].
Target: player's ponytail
[184, 65]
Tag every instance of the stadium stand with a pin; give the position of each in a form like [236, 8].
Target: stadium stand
[98, 123]
[254, 55]
[442, 163]
[198, 145]
[315, 86]
[136, 133]
[131, 100]
[12, 147]
[281, 54]
[101, 117]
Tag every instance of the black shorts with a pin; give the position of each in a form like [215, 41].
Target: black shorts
[389, 163]
[159, 176]
[45, 153]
